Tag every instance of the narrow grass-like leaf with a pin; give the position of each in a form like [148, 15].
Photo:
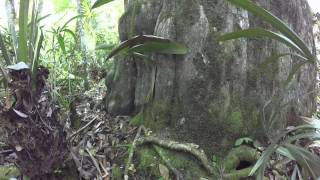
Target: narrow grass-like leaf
[258, 33]
[311, 135]
[70, 20]
[99, 3]
[294, 70]
[306, 159]
[137, 40]
[276, 23]
[106, 46]
[284, 152]
[23, 31]
[71, 33]
[4, 51]
[276, 57]
[35, 61]
[61, 43]
[160, 47]
[263, 160]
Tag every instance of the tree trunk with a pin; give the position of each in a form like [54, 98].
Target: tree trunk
[217, 92]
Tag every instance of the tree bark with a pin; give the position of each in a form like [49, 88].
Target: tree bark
[217, 92]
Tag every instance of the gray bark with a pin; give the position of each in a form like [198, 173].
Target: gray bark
[216, 92]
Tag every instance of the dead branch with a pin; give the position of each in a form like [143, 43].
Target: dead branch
[131, 152]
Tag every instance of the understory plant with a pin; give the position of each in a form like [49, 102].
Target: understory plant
[29, 115]
[291, 143]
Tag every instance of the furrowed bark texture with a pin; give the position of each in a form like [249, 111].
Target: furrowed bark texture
[216, 92]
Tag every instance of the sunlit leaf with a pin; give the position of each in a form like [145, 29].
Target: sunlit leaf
[61, 43]
[23, 31]
[99, 3]
[70, 20]
[71, 33]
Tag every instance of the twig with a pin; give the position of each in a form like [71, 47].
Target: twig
[131, 152]
[94, 162]
[190, 148]
[83, 128]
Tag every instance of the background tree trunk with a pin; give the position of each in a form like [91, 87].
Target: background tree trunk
[215, 93]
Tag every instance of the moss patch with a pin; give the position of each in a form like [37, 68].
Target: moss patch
[7, 172]
[236, 120]
[149, 161]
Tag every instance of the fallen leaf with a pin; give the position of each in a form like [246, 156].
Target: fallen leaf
[164, 171]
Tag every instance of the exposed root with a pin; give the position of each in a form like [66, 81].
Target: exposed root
[234, 159]
[177, 174]
[190, 148]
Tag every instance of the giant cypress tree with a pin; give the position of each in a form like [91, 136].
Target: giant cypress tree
[218, 91]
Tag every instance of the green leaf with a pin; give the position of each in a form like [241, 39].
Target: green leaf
[106, 46]
[261, 164]
[276, 57]
[294, 70]
[99, 3]
[258, 33]
[276, 23]
[244, 140]
[35, 61]
[305, 159]
[311, 135]
[23, 31]
[61, 43]
[70, 20]
[71, 33]
[284, 152]
[4, 51]
[141, 39]
[160, 47]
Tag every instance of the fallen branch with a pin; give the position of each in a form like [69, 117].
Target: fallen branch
[83, 128]
[131, 152]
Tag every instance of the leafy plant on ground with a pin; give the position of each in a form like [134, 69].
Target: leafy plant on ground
[29, 115]
[287, 142]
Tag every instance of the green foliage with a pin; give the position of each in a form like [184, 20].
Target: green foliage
[244, 140]
[286, 35]
[99, 3]
[284, 143]
[61, 5]
[23, 31]
[146, 44]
